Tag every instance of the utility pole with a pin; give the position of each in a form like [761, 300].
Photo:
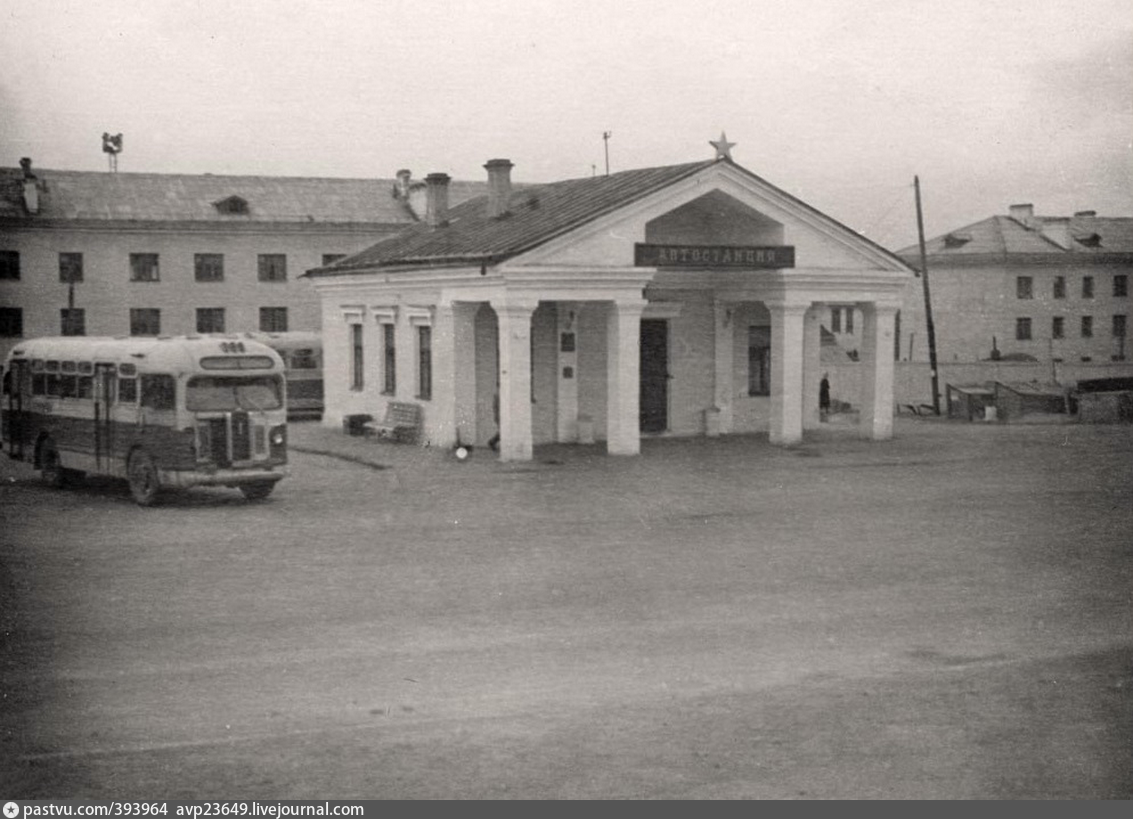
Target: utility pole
[929, 326]
[606, 139]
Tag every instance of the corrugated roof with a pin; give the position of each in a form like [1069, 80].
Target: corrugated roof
[1005, 236]
[536, 213]
[86, 195]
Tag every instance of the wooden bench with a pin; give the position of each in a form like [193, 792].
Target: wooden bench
[401, 423]
[917, 409]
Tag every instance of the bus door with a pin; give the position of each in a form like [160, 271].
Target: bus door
[17, 381]
[105, 378]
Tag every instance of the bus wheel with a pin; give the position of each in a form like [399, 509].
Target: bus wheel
[142, 474]
[54, 475]
[257, 491]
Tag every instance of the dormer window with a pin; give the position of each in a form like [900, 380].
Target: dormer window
[1088, 240]
[956, 240]
[232, 205]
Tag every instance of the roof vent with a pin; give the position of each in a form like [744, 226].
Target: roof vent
[232, 205]
[1085, 214]
[401, 187]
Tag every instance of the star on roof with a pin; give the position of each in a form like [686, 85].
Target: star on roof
[722, 146]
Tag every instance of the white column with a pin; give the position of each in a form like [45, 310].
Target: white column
[725, 363]
[876, 420]
[464, 370]
[442, 407]
[567, 403]
[623, 377]
[812, 364]
[786, 372]
[515, 380]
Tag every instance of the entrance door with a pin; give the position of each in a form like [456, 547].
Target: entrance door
[654, 375]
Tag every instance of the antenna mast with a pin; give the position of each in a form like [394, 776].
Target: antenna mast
[606, 139]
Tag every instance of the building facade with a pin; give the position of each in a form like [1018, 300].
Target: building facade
[1024, 287]
[85, 253]
[683, 300]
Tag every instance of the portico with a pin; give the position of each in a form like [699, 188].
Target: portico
[684, 300]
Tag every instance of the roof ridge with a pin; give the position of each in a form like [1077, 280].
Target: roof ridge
[210, 175]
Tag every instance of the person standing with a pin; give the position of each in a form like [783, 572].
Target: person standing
[824, 397]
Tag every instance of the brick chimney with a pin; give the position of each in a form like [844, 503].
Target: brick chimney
[1023, 214]
[31, 191]
[436, 199]
[499, 186]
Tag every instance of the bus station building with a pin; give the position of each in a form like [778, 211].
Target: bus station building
[682, 300]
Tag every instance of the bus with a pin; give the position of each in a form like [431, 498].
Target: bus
[164, 412]
[302, 354]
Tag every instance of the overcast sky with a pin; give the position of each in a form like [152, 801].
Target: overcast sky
[839, 102]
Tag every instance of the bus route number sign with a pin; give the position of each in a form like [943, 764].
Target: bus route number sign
[232, 346]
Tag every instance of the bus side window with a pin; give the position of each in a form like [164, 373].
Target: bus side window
[158, 392]
[68, 386]
[303, 359]
[39, 384]
[127, 390]
[86, 387]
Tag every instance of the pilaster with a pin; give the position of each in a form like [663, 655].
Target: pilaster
[724, 391]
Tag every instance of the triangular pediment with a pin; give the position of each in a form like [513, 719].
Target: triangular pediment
[723, 205]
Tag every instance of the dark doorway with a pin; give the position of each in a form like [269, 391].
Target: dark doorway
[654, 375]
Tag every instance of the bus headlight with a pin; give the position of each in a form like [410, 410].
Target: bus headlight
[278, 438]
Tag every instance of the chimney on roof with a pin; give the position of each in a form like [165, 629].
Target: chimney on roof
[1023, 214]
[31, 190]
[402, 189]
[436, 199]
[499, 186]
[1086, 213]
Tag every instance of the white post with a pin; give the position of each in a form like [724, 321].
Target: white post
[786, 372]
[515, 380]
[876, 420]
[623, 378]
[725, 363]
[812, 365]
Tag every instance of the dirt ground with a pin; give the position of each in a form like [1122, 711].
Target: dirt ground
[945, 615]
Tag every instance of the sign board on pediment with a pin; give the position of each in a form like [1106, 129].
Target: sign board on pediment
[738, 209]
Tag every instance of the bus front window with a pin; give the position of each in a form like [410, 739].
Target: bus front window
[215, 394]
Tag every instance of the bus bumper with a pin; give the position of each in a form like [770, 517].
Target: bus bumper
[185, 478]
